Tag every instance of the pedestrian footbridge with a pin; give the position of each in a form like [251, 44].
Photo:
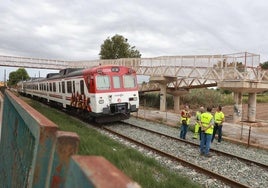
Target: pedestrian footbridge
[176, 75]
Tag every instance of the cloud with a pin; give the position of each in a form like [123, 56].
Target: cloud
[75, 30]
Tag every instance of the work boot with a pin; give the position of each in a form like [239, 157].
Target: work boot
[208, 155]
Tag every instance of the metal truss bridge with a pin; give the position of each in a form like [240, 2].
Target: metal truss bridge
[177, 72]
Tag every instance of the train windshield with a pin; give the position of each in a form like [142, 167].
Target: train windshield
[103, 82]
[116, 82]
[129, 81]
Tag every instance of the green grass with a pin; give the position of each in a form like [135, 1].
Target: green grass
[146, 171]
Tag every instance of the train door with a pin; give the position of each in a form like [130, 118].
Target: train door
[63, 90]
[74, 87]
[82, 91]
[91, 84]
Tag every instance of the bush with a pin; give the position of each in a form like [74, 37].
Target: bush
[199, 97]
[195, 98]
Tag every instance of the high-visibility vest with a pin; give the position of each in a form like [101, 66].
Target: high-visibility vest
[186, 118]
[218, 117]
[206, 118]
[198, 116]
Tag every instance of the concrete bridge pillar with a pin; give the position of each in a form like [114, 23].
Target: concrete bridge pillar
[237, 107]
[177, 103]
[177, 97]
[252, 106]
[163, 97]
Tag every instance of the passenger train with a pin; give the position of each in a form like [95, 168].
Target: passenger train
[103, 93]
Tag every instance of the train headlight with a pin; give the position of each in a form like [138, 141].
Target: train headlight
[99, 71]
[101, 101]
[130, 71]
[115, 69]
[133, 98]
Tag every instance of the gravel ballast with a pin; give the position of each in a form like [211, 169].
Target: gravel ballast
[250, 175]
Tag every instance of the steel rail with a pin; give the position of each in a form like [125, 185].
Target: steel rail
[224, 179]
[248, 161]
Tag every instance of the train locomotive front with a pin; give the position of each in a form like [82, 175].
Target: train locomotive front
[113, 92]
[104, 93]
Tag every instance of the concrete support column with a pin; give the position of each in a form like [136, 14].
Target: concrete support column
[237, 107]
[163, 97]
[177, 103]
[252, 106]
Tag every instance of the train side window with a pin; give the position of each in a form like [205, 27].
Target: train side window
[59, 88]
[82, 87]
[116, 82]
[74, 86]
[63, 87]
[69, 87]
[103, 82]
[50, 86]
[129, 81]
[54, 86]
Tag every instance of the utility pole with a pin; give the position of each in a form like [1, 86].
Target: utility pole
[4, 77]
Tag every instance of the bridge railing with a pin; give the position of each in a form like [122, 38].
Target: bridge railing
[237, 66]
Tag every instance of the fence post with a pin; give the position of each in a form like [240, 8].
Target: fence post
[66, 145]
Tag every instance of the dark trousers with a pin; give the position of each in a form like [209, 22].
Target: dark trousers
[217, 128]
[184, 129]
[205, 143]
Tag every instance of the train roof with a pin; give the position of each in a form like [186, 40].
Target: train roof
[52, 75]
[95, 69]
[78, 72]
[65, 73]
[33, 79]
[69, 72]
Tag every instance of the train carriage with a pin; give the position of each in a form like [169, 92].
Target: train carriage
[103, 93]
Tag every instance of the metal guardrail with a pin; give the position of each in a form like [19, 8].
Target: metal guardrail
[34, 153]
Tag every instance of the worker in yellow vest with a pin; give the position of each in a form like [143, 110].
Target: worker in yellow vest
[185, 121]
[206, 123]
[219, 119]
[197, 128]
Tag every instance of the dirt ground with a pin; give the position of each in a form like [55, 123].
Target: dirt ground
[255, 133]
[261, 112]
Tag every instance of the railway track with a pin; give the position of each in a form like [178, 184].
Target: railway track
[183, 159]
[218, 152]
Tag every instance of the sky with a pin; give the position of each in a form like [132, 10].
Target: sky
[75, 29]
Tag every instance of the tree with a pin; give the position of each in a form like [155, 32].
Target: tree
[16, 76]
[264, 65]
[118, 47]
